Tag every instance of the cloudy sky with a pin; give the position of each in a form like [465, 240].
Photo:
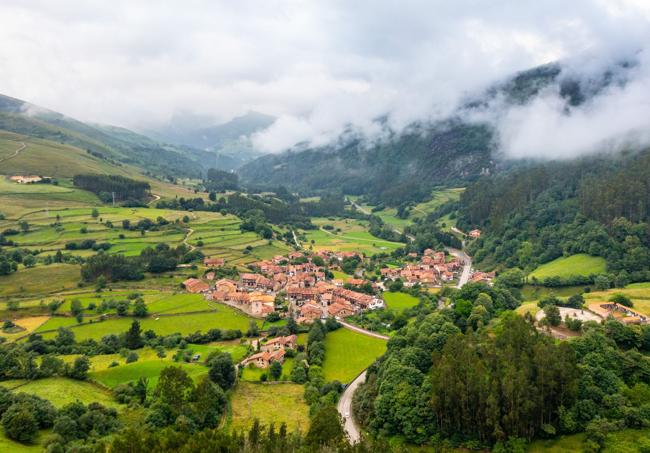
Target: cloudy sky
[316, 65]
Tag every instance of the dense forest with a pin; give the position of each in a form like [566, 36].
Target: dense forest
[597, 205]
[106, 185]
[505, 384]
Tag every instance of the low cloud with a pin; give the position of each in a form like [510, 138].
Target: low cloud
[322, 68]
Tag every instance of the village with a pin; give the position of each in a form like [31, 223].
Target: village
[301, 286]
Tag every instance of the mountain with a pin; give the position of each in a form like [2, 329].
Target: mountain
[228, 145]
[105, 142]
[411, 162]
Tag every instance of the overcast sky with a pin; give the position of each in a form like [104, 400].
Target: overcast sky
[316, 65]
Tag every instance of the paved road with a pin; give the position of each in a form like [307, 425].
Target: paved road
[344, 407]
[467, 266]
[363, 331]
[22, 147]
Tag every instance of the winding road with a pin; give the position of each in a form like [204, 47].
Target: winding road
[22, 147]
[344, 405]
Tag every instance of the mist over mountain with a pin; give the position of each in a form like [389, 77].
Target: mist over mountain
[479, 137]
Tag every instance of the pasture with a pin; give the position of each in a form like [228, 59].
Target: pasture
[348, 353]
[639, 293]
[575, 265]
[398, 302]
[222, 317]
[280, 403]
[40, 280]
[624, 441]
[353, 236]
[61, 391]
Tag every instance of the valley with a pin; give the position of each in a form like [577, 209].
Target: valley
[329, 227]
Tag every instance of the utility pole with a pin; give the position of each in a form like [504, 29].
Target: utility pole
[113, 193]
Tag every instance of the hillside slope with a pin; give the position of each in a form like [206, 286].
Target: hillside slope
[409, 164]
[104, 142]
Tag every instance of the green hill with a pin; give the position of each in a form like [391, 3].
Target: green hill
[580, 264]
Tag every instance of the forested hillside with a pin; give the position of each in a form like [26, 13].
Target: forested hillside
[599, 206]
[402, 169]
[406, 166]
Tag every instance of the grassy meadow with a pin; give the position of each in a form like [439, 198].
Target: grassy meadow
[348, 353]
[61, 391]
[353, 236]
[398, 302]
[269, 404]
[574, 265]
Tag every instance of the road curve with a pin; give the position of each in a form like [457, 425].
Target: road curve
[344, 407]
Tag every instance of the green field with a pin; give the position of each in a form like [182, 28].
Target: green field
[61, 391]
[575, 265]
[222, 318]
[149, 369]
[353, 236]
[348, 353]
[438, 198]
[269, 404]
[9, 445]
[398, 302]
[639, 293]
[253, 374]
[625, 441]
[40, 280]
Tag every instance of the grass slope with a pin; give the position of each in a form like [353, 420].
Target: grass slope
[269, 404]
[348, 353]
[580, 264]
[398, 302]
[61, 391]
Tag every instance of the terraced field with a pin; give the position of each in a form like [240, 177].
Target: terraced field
[346, 235]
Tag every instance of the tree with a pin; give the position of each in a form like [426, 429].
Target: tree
[602, 282]
[29, 261]
[76, 307]
[552, 315]
[326, 429]
[94, 213]
[222, 370]
[292, 326]
[79, 369]
[174, 385]
[24, 226]
[275, 370]
[622, 299]
[19, 423]
[512, 277]
[140, 309]
[208, 403]
[64, 337]
[253, 330]
[133, 337]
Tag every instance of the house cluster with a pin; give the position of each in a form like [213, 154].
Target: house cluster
[310, 294]
[273, 350]
[618, 311]
[432, 269]
[31, 179]
[482, 277]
